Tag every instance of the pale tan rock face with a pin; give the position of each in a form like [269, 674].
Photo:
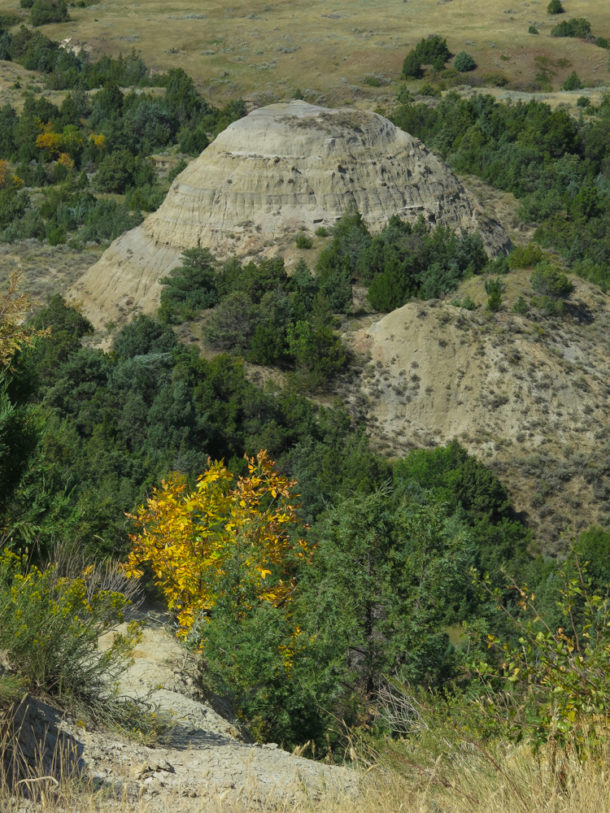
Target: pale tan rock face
[282, 168]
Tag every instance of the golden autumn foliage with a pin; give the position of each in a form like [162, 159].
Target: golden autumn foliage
[13, 333]
[191, 539]
[65, 160]
[99, 139]
[49, 141]
[6, 176]
[4, 173]
[57, 145]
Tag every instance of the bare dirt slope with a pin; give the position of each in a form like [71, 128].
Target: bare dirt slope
[44, 270]
[528, 397]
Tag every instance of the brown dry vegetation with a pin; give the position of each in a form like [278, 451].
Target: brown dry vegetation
[44, 269]
[469, 778]
[270, 49]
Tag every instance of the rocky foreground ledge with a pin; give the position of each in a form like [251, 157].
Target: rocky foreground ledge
[202, 764]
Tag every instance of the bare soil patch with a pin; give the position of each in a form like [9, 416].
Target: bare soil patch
[526, 395]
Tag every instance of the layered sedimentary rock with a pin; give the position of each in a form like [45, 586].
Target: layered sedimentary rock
[282, 168]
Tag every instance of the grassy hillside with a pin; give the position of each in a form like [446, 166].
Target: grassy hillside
[338, 51]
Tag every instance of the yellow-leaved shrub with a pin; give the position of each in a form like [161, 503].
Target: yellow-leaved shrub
[190, 539]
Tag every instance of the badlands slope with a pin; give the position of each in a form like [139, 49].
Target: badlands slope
[282, 168]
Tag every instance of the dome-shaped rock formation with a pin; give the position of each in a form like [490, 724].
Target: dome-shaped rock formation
[280, 169]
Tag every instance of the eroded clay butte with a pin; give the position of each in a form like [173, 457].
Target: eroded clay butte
[282, 168]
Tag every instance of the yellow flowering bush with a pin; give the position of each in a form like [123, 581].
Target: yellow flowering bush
[49, 629]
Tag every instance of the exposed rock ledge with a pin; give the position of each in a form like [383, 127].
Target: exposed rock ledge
[282, 168]
[202, 765]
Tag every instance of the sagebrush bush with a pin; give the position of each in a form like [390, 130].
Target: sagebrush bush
[303, 240]
[525, 256]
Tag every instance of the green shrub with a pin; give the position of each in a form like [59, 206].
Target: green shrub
[463, 62]
[30, 225]
[56, 235]
[115, 172]
[555, 7]
[494, 288]
[498, 266]
[411, 67]
[430, 90]
[13, 205]
[49, 629]
[433, 50]
[576, 27]
[193, 140]
[245, 660]
[317, 351]
[549, 280]
[583, 101]
[525, 256]
[145, 197]
[467, 303]
[232, 323]
[389, 290]
[602, 42]
[176, 170]
[572, 82]
[521, 306]
[49, 11]
[496, 79]
[189, 288]
[532, 30]
[106, 220]
[303, 240]
[322, 231]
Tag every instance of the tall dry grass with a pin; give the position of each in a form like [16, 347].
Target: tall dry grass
[467, 778]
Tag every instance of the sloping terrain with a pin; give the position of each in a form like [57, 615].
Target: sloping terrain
[349, 50]
[527, 396]
[202, 762]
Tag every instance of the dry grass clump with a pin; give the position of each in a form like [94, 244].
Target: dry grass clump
[472, 777]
